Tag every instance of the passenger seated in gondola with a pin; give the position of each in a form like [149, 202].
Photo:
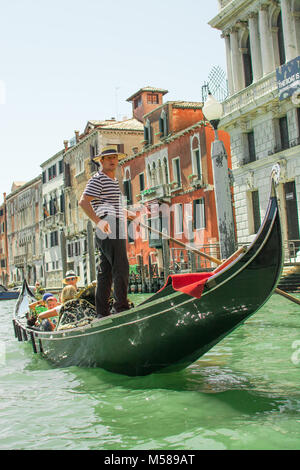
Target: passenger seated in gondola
[71, 279]
[49, 317]
[38, 307]
[77, 311]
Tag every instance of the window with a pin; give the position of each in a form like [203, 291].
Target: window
[147, 133]
[155, 239]
[77, 248]
[52, 172]
[196, 156]
[152, 98]
[142, 181]
[163, 127]
[62, 202]
[199, 213]
[176, 170]
[251, 147]
[280, 38]
[137, 102]
[284, 133]
[178, 218]
[54, 238]
[70, 250]
[127, 187]
[247, 60]
[60, 166]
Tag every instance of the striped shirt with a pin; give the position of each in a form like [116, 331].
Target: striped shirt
[107, 193]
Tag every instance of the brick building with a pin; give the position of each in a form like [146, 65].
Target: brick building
[127, 136]
[172, 175]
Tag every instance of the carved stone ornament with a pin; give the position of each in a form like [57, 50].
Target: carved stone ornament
[250, 180]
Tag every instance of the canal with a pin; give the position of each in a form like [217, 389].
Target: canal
[243, 394]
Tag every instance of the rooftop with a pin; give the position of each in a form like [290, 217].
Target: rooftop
[149, 89]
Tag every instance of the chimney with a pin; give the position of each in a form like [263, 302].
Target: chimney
[66, 144]
[77, 136]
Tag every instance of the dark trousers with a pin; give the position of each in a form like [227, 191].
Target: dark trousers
[113, 270]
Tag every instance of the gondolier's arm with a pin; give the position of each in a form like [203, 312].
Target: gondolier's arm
[85, 204]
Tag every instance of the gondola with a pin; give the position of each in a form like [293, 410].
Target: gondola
[179, 323]
[6, 294]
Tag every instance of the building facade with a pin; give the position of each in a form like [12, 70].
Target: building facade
[25, 255]
[172, 176]
[4, 276]
[262, 39]
[81, 253]
[52, 221]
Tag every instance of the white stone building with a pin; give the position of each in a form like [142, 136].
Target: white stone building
[52, 222]
[23, 214]
[262, 37]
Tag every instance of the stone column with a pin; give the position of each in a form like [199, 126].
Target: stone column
[288, 30]
[229, 63]
[237, 63]
[267, 53]
[255, 46]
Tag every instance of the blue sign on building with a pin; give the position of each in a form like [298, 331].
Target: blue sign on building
[288, 78]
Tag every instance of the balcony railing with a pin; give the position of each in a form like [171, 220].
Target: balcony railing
[53, 221]
[156, 192]
[250, 95]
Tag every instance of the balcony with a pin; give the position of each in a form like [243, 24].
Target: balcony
[256, 94]
[161, 191]
[19, 261]
[53, 221]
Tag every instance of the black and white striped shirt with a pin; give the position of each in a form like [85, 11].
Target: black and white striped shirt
[107, 193]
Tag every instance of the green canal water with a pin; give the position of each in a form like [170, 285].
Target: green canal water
[243, 394]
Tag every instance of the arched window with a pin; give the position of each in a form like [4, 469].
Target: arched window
[196, 157]
[280, 38]
[147, 133]
[163, 127]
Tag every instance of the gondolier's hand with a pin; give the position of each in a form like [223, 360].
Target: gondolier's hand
[104, 226]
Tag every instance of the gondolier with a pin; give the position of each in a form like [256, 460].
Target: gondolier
[102, 203]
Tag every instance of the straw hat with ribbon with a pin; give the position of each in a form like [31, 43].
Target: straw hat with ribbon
[108, 151]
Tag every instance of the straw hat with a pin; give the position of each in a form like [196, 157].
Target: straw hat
[110, 150]
[70, 274]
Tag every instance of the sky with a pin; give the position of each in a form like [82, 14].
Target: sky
[65, 62]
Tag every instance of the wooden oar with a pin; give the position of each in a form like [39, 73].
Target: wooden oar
[215, 260]
[287, 296]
